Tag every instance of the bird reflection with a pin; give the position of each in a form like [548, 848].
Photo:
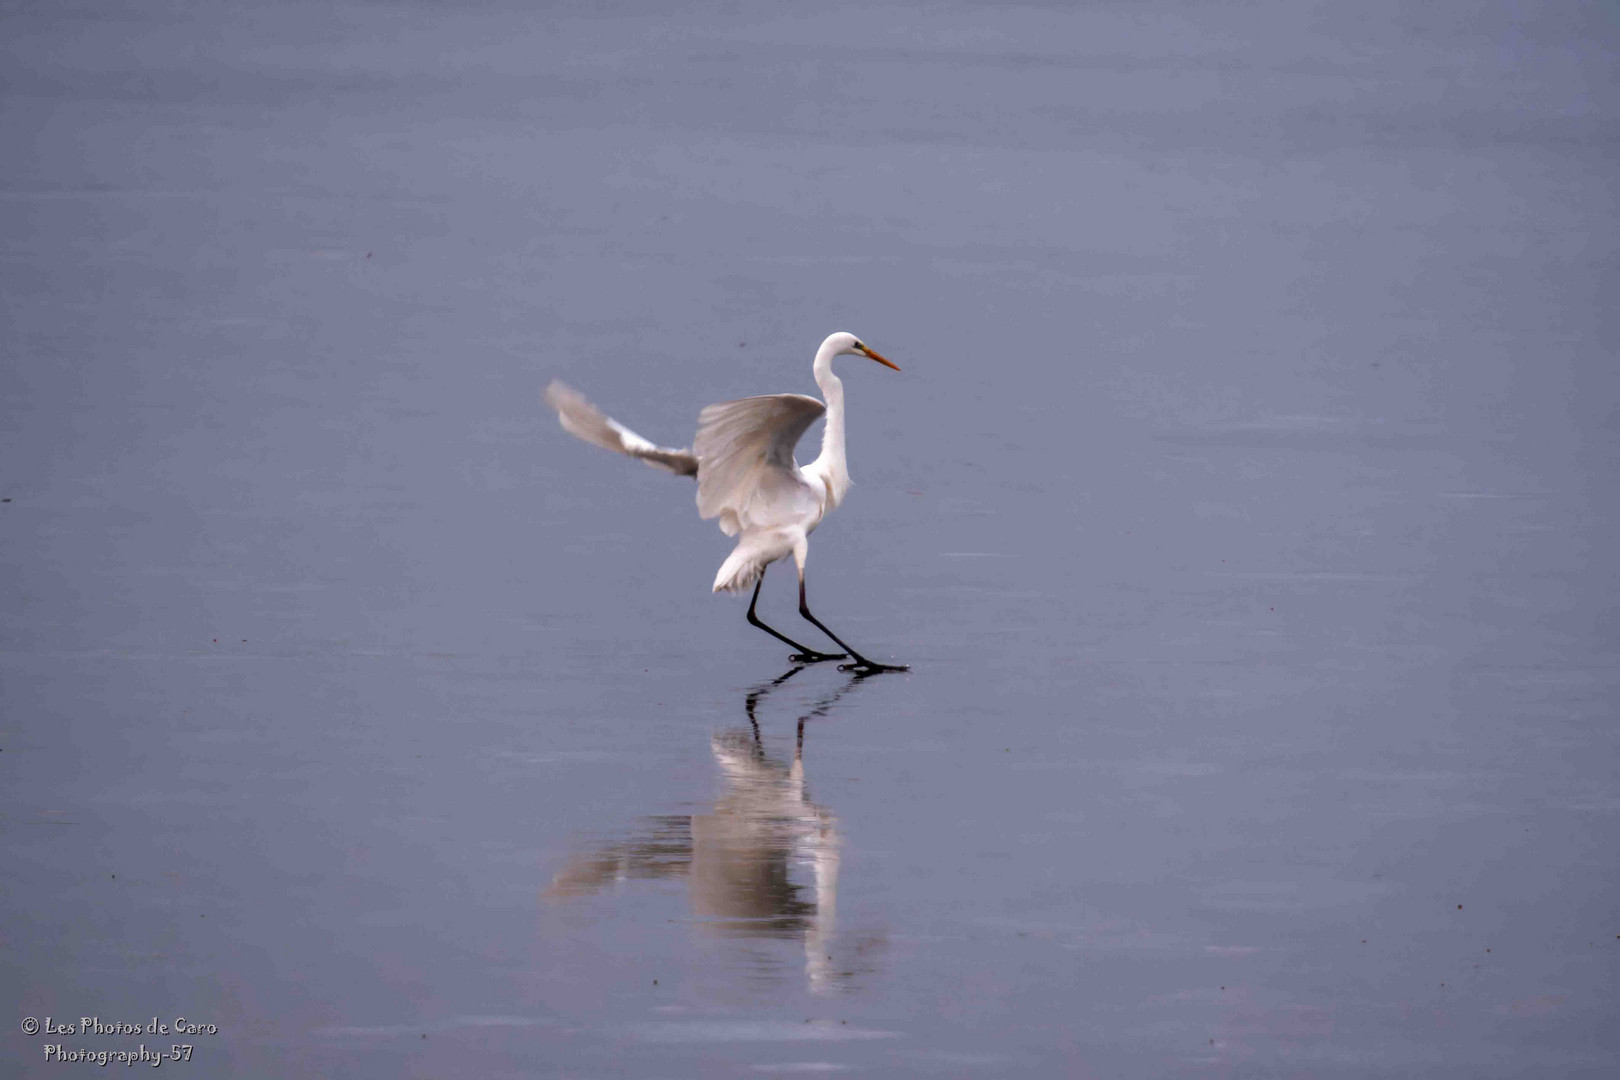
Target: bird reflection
[762, 863]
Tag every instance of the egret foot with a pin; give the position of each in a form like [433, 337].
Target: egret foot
[861, 666]
[813, 657]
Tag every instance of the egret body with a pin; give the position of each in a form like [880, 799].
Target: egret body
[747, 477]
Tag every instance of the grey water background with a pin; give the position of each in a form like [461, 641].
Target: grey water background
[1246, 510]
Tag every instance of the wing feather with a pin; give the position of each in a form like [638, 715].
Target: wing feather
[579, 417]
[746, 473]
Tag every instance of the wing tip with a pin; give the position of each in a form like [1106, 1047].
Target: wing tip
[562, 397]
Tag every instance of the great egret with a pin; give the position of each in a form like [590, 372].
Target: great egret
[743, 461]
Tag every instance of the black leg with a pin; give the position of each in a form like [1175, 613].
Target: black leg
[861, 664]
[805, 653]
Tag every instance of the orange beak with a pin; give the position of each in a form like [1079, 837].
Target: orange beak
[885, 361]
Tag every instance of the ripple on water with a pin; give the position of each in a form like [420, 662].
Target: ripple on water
[753, 1031]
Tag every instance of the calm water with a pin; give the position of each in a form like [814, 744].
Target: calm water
[1246, 510]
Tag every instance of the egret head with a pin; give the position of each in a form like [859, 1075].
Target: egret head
[841, 343]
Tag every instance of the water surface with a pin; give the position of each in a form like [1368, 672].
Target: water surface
[1245, 511]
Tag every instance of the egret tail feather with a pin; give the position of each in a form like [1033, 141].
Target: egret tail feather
[740, 572]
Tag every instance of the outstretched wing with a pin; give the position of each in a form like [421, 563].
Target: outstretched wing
[579, 417]
[747, 476]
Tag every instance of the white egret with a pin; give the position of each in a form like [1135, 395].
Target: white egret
[747, 477]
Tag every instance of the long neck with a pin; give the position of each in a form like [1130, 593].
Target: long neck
[832, 463]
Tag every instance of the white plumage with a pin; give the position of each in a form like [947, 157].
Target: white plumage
[580, 417]
[747, 476]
